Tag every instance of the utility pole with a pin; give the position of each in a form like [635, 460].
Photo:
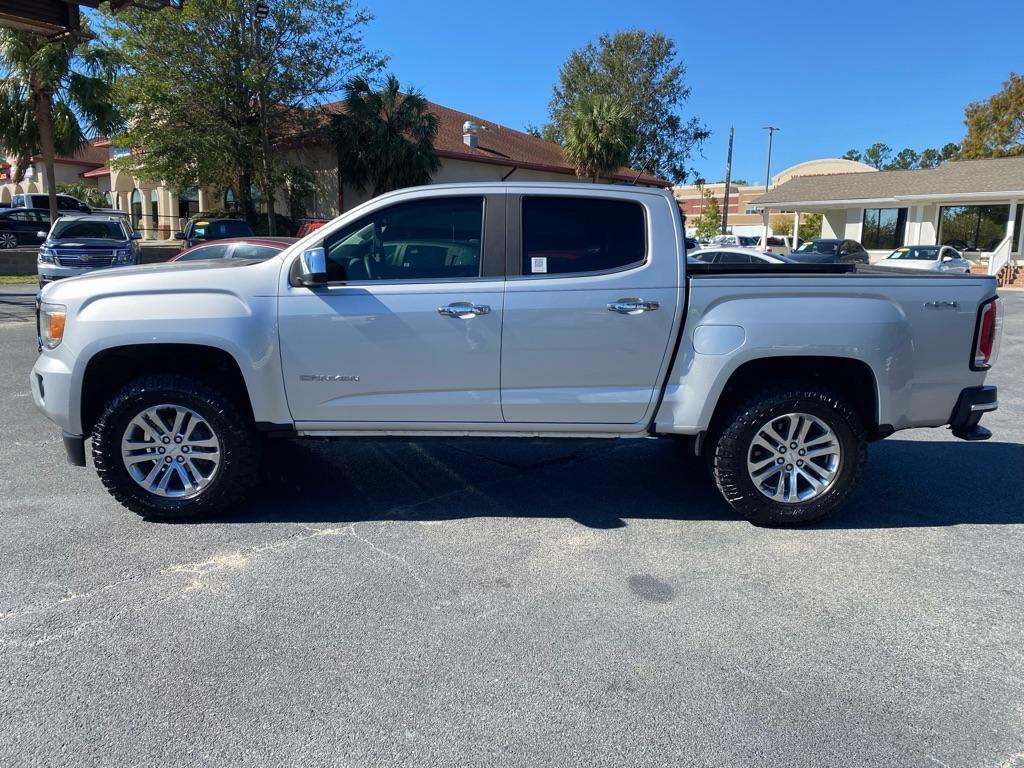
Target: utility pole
[262, 11]
[728, 183]
[767, 182]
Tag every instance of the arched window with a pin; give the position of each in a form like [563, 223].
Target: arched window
[230, 201]
[136, 209]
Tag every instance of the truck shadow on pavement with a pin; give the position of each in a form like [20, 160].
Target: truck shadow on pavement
[604, 484]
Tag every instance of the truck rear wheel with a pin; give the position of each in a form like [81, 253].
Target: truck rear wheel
[172, 447]
[789, 455]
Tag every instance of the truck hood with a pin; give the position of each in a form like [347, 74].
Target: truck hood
[183, 275]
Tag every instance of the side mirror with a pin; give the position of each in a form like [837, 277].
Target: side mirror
[84, 208]
[179, 235]
[310, 268]
[42, 235]
[135, 236]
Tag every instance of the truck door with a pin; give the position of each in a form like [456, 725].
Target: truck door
[408, 328]
[590, 306]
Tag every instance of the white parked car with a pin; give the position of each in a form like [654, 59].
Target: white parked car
[931, 258]
[725, 255]
[735, 241]
[780, 245]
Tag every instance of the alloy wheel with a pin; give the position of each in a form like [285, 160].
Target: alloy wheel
[171, 451]
[794, 458]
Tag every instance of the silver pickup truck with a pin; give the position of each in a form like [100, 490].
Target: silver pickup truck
[509, 310]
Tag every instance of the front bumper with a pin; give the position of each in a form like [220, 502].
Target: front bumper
[973, 403]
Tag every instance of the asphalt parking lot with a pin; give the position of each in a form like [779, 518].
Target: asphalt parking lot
[513, 603]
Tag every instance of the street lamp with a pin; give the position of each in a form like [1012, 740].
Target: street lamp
[767, 180]
[262, 12]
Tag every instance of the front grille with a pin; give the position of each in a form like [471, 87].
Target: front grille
[76, 258]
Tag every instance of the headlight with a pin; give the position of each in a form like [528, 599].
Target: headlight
[123, 256]
[46, 255]
[51, 323]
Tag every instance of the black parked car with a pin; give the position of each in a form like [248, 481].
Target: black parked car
[201, 229]
[21, 226]
[830, 251]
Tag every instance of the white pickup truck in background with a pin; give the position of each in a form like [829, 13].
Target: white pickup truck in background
[509, 310]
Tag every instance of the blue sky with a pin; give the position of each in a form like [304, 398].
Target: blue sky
[831, 74]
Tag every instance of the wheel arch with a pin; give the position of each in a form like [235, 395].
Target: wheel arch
[852, 378]
[113, 367]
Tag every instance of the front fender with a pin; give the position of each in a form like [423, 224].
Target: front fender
[246, 330]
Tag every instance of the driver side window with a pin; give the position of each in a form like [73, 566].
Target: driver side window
[434, 238]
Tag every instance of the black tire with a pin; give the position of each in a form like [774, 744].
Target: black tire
[239, 446]
[734, 435]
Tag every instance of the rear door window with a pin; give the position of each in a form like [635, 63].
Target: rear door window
[249, 251]
[572, 235]
[206, 252]
[726, 257]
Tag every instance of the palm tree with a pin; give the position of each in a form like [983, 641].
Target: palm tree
[598, 136]
[385, 138]
[51, 93]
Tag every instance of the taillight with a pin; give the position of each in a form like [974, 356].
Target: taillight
[987, 335]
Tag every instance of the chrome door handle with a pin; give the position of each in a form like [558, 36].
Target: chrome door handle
[463, 309]
[632, 306]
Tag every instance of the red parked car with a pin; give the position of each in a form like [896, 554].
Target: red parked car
[235, 248]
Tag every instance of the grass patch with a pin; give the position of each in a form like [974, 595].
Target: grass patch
[18, 279]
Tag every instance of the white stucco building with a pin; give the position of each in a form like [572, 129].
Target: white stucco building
[975, 205]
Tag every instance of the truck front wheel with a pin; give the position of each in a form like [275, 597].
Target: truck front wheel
[172, 447]
[789, 455]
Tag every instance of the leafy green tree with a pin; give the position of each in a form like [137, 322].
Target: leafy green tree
[995, 128]
[853, 154]
[810, 226]
[782, 225]
[385, 138]
[53, 96]
[90, 195]
[642, 72]
[598, 138]
[215, 95]
[905, 159]
[709, 222]
[929, 158]
[877, 155]
[951, 151]
[546, 131]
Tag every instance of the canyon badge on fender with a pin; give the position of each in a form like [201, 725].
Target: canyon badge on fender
[326, 377]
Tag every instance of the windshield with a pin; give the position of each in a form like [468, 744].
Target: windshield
[221, 229]
[88, 230]
[919, 252]
[818, 246]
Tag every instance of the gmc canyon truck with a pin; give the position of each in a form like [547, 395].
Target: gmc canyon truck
[509, 310]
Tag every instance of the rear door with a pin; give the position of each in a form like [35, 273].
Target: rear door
[590, 306]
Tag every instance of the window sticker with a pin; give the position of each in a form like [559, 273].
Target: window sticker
[538, 264]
